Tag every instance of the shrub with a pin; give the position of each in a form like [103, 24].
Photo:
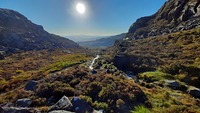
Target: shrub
[140, 109]
[100, 105]
[119, 103]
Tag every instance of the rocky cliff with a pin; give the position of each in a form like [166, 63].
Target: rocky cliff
[19, 33]
[173, 16]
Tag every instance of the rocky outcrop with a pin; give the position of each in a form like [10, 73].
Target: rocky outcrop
[63, 104]
[18, 110]
[173, 16]
[19, 33]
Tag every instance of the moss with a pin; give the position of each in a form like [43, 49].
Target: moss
[155, 76]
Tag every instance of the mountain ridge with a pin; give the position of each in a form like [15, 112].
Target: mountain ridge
[173, 16]
[19, 33]
[103, 42]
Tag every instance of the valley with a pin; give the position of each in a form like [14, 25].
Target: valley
[153, 68]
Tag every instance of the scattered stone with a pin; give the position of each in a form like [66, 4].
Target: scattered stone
[173, 84]
[63, 104]
[18, 110]
[60, 111]
[80, 106]
[195, 92]
[25, 102]
[31, 85]
[94, 72]
[98, 111]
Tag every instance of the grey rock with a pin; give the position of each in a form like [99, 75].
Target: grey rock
[80, 106]
[173, 16]
[63, 104]
[176, 85]
[61, 111]
[31, 85]
[195, 92]
[25, 102]
[18, 110]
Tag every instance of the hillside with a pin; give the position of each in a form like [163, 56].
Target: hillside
[173, 16]
[103, 42]
[19, 33]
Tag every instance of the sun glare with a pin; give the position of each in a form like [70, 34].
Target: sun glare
[80, 8]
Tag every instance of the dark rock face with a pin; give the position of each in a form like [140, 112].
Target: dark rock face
[19, 33]
[25, 102]
[31, 85]
[80, 106]
[174, 15]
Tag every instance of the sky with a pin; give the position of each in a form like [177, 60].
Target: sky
[101, 17]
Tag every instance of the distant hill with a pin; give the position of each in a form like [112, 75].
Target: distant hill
[83, 38]
[103, 42]
[19, 33]
[173, 16]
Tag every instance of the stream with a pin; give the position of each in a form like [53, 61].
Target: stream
[93, 61]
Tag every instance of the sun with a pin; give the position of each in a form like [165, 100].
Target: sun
[80, 8]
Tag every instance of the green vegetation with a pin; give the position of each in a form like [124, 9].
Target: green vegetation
[140, 109]
[155, 76]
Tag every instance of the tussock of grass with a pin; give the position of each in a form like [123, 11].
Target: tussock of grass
[155, 76]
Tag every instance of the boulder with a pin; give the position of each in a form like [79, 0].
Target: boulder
[195, 92]
[25, 102]
[31, 85]
[60, 111]
[176, 85]
[1, 57]
[18, 110]
[63, 104]
[80, 106]
[98, 111]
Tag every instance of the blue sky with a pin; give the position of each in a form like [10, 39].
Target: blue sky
[102, 17]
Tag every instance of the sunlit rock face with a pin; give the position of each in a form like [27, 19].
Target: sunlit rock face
[173, 16]
[19, 33]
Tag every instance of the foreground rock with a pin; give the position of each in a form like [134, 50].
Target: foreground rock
[63, 104]
[176, 85]
[31, 85]
[80, 106]
[25, 102]
[195, 92]
[60, 111]
[18, 110]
